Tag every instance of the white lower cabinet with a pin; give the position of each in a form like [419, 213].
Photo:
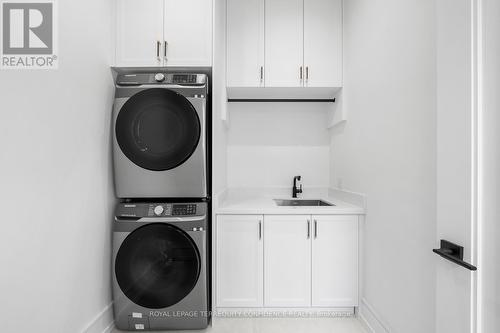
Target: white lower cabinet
[280, 261]
[335, 261]
[239, 261]
[287, 256]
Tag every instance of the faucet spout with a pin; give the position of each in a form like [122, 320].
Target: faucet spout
[296, 190]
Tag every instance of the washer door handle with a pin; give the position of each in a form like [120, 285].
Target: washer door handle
[160, 219]
[127, 219]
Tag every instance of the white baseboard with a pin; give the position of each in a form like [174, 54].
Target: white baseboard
[103, 322]
[109, 328]
[370, 319]
[306, 312]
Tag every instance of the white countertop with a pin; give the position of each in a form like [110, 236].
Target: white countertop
[260, 201]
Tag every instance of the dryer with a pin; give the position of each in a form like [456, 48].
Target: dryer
[159, 136]
[160, 266]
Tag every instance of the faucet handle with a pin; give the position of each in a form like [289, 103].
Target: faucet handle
[300, 189]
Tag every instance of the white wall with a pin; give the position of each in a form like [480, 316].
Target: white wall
[270, 143]
[489, 264]
[387, 150]
[56, 191]
[219, 140]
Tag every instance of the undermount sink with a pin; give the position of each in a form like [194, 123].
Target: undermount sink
[302, 203]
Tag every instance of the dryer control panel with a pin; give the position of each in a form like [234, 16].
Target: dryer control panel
[182, 79]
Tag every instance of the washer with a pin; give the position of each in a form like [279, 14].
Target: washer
[159, 136]
[160, 266]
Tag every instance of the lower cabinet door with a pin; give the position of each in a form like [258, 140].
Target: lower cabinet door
[287, 261]
[335, 261]
[239, 261]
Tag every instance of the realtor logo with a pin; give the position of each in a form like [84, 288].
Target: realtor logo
[28, 32]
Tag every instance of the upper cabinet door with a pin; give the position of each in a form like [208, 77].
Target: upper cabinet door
[323, 43]
[245, 43]
[335, 261]
[239, 274]
[284, 43]
[139, 32]
[287, 261]
[188, 33]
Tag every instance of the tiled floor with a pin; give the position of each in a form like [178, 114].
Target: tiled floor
[271, 325]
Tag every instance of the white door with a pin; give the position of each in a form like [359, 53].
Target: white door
[139, 32]
[489, 230]
[323, 43]
[456, 199]
[188, 33]
[245, 43]
[284, 51]
[287, 261]
[335, 261]
[239, 261]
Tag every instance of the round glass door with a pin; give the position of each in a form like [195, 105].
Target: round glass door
[157, 265]
[158, 129]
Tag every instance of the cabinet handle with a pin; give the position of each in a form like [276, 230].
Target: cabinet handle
[165, 45]
[261, 74]
[315, 229]
[158, 45]
[307, 74]
[308, 229]
[300, 73]
[260, 230]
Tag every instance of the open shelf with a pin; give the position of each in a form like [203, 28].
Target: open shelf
[332, 96]
[283, 93]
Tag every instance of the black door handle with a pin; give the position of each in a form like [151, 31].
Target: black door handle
[453, 253]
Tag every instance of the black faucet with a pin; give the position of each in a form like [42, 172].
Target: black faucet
[296, 190]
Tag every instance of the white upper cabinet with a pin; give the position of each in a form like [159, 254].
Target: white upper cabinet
[139, 32]
[284, 31]
[188, 32]
[164, 33]
[335, 261]
[323, 43]
[245, 43]
[287, 277]
[298, 43]
[239, 260]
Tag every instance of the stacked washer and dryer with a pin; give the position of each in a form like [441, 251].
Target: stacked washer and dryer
[160, 230]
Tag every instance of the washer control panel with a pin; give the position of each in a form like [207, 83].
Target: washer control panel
[160, 209]
[184, 209]
[180, 209]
